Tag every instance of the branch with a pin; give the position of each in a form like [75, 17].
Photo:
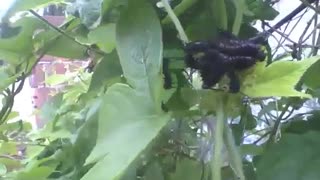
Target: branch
[175, 21]
[277, 124]
[65, 34]
[288, 18]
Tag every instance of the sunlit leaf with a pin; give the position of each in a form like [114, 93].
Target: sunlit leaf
[10, 164]
[278, 79]
[8, 148]
[57, 79]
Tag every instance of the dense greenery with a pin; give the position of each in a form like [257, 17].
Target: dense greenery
[120, 123]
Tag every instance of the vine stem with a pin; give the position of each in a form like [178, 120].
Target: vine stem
[175, 21]
[238, 17]
[216, 162]
[233, 152]
[220, 13]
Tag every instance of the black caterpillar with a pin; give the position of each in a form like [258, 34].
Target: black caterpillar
[225, 56]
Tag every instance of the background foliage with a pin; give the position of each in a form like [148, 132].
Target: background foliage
[119, 122]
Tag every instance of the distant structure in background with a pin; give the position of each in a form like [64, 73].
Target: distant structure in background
[54, 10]
[49, 65]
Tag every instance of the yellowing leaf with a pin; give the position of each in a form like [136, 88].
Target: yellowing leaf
[278, 79]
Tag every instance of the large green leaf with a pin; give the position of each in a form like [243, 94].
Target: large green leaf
[18, 48]
[262, 10]
[7, 79]
[139, 44]
[278, 79]
[50, 109]
[107, 72]
[187, 170]
[104, 36]
[127, 125]
[311, 78]
[87, 135]
[58, 44]
[295, 157]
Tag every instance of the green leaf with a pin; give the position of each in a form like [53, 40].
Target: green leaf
[24, 5]
[11, 163]
[295, 157]
[311, 78]
[262, 10]
[12, 115]
[251, 149]
[18, 48]
[139, 45]
[187, 170]
[300, 125]
[6, 78]
[39, 173]
[207, 100]
[127, 125]
[278, 79]
[87, 135]
[104, 36]
[57, 79]
[107, 71]
[3, 169]
[9, 56]
[247, 119]
[50, 108]
[154, 172]
[58, 45]
[8, 148]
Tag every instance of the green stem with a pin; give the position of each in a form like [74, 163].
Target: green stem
[277, 124]
[218, 140]
[175, 21]
[233, 153]
[179, 9]
[239, 4]
[220, 13]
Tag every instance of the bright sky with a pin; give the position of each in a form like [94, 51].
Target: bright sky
[4, 5]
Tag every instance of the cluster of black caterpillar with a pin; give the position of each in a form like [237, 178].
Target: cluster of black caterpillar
[225, 56]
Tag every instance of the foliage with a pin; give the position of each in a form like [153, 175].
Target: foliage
[119, 122]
